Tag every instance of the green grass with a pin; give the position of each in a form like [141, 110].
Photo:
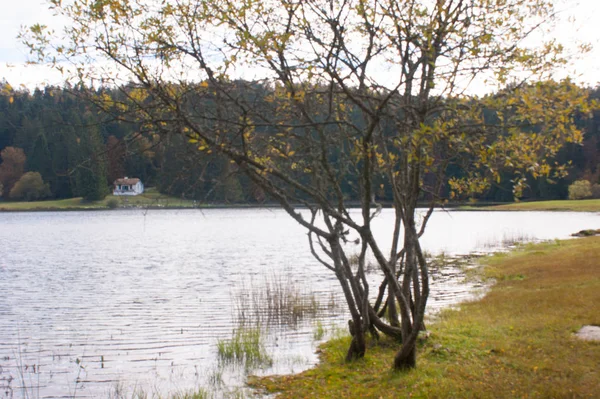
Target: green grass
[319, 332]
[590, 205]
[516, 342]
[245, 347]
[149, 199]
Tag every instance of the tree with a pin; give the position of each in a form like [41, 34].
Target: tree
[30, 187]
[90, 173]
[40, 159]
[368, 96]
[115, 151]
[11, 168]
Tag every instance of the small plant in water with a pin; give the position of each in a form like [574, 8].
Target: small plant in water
[199, 394]
[319, 331]
[245, 347]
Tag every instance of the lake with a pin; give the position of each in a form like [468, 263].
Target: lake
[102, 304]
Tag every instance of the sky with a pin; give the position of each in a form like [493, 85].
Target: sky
[578, 22]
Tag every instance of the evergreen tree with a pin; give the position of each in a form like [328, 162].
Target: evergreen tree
[90, 175]
[40, 159]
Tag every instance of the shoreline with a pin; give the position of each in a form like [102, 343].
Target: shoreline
[71, 205]
[502, 345]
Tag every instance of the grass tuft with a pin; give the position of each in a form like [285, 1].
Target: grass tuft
[319, 331]
[245, 347]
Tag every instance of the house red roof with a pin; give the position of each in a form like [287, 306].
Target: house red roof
[127, 181]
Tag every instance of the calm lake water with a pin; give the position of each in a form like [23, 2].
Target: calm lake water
[93, 304]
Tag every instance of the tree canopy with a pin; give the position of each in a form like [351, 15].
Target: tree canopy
[311, 99]
[11, 168]
[30, 187]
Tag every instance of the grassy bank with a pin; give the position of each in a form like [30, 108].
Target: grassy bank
[149, 199]
[516, 342]
[591, 205]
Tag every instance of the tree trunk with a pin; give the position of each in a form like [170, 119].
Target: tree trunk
[392, 310]
[358, 345]
[415, 275]
[406, 359]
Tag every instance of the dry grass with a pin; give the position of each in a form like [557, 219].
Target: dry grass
[516, 342]
[590, 205]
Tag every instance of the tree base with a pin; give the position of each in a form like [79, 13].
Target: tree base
[405, 360]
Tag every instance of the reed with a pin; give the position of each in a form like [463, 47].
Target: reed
[245, 347]
[277, 300]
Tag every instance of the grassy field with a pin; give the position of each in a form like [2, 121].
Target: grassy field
[149, 199]
[516, 342]
[591, 205]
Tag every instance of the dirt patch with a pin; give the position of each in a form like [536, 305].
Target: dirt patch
[589, 333]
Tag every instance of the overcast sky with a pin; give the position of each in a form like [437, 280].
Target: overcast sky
[18, 13]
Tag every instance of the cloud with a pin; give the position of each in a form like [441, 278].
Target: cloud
[22, 75]
[576, 23]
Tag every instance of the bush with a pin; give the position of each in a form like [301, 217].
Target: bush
[596, 190]
[112, 203]
[30, 187]
[580, 189]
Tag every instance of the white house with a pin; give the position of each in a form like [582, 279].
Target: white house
[128, 186]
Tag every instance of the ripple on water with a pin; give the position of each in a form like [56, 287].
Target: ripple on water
[91, 300]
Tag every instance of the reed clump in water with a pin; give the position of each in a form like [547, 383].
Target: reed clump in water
[277, 300]
[245, 347]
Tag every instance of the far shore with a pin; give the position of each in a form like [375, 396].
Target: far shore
[153, 200]
[587, 205]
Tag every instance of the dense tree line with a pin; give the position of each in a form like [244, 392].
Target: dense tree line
[79, 151]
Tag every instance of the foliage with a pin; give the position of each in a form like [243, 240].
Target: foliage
[59, 115]
[11, 168]
[360, 97]
[580, 189]
[116, 152]
[112, 203]
[30, 187]
[90, 174]
[40, 159]
[596, 191]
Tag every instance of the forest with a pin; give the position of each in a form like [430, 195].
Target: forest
[54, 143]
